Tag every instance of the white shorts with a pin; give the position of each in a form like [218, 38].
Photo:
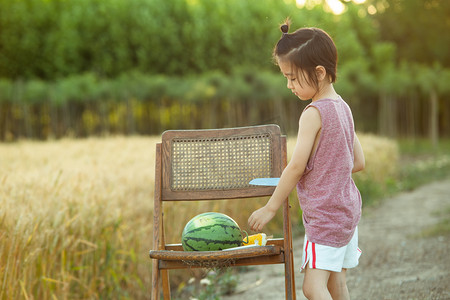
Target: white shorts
[330, 258]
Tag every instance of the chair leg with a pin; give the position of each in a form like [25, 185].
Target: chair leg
[291, 263]
[289, 268]
[294, 297]
[165, 284]
[155, 280]
[289, 281]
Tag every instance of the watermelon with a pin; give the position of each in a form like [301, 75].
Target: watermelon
[211, 231]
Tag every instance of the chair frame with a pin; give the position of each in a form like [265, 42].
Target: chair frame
[171, 256]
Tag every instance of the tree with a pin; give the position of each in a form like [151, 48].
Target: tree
[419, 28]
[433, 82]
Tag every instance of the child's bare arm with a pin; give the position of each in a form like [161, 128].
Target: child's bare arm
[309, 126]
[359, 161]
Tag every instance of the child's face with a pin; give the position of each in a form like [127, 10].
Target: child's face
[299, 86]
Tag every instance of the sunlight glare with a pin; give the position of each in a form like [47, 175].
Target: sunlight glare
[336, 6]
[372, 10]
[300, 3]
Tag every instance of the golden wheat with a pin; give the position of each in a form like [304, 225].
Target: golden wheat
[382, 155]
[75, 216]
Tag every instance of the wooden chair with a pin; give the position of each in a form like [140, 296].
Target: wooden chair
[217, 165]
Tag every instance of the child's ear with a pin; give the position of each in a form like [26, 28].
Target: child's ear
[321, 73]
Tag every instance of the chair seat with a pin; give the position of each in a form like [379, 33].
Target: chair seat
[215, 255]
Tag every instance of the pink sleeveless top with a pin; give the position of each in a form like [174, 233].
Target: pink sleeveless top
[329, 199]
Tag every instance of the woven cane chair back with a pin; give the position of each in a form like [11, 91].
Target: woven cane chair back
[219, 164]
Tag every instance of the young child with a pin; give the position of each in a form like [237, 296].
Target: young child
[325, 156]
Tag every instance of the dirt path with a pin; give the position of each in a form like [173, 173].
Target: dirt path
[399, 261]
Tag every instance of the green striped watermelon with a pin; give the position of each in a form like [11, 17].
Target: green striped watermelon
[211, 231]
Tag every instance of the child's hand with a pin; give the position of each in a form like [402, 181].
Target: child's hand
[260, 217]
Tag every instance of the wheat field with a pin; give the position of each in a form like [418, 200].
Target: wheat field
[76, 215]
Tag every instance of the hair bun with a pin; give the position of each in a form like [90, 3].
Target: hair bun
[284, 28]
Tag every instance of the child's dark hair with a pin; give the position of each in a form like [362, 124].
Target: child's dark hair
[306, 49]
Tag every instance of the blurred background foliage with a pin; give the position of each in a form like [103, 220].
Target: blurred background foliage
[96, 67]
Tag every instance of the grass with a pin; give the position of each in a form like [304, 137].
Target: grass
[416, 148]
[422, 163]
[441, 228]
[76, 215]
[401, 166]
